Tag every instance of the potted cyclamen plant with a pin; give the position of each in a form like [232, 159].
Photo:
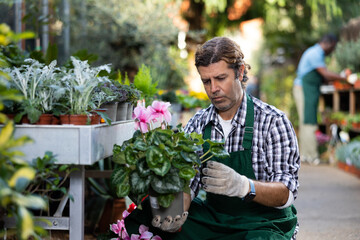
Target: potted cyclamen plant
[159, 161]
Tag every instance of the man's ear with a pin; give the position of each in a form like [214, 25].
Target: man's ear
[241, 72]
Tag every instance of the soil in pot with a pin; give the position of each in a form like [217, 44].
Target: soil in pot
[44, 119]
[79, 119]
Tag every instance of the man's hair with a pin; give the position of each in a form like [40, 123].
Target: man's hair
[222, 48]
[329, 38]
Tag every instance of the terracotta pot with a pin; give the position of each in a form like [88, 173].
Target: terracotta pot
[112, 212]
[65, 119]
[341, 86]
[44, 119]
[55, 120]
[95, 118]
[357, 84]
[10, 116]
[79, 119]
[356, 125]
[25, 120]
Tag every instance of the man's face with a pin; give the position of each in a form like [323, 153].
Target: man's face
[224, 91]
[329, 48]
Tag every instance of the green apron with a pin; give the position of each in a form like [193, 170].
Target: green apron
[311, 88]
[222, 217]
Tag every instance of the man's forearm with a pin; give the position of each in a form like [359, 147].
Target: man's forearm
[271, 194]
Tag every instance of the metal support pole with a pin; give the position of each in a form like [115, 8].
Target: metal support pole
[45, 27]
[77, 213]
[18, 16]
[66, 7]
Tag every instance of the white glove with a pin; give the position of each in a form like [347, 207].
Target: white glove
[221, 179]
[169, 224]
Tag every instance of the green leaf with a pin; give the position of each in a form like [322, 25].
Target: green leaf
[154, 156]
[187, 173]
[130, 157]
[120, 181]
[162, 168]
[198, 138]
[179, 162]
[188, 146]
[140, 185]
[170, 183]
[191, 157]
[140, 145]
[143, 168]
[165, 200]
[219, 152]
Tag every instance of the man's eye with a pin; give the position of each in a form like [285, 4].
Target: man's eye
[206, 82]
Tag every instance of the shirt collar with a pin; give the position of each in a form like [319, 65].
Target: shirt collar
[239, 117]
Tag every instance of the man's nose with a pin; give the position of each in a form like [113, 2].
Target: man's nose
[214, 87]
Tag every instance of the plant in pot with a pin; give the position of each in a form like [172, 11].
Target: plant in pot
[159, 161]
[102, 95]
[80, 82]
[133, 94]
[145, 84]
[30, 79]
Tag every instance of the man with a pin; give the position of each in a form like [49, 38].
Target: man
[311, 73]
[250, 194]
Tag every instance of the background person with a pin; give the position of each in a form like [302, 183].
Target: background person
[311, 73]
[250, 194]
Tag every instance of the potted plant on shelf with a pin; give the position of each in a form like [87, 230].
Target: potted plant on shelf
[158, 160]
[33, 79]
[80, 82]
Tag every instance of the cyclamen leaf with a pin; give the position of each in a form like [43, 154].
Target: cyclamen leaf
[165, 200]
[140, 185]
[140, 145]
[162, 168]
[219, 152]
[187, 173]
[120, 181]
[179, 162]
[154, 156]
[143, 168]
[191, 157]
[171, 183]
[130, 156]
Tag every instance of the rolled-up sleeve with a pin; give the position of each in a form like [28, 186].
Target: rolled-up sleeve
[282, 154]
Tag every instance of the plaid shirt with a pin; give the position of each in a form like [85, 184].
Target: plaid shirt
[275, 153]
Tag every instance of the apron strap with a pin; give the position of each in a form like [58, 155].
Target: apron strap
[249, 124]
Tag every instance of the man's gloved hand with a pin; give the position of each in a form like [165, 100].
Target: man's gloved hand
[169, 224]
[221, 179]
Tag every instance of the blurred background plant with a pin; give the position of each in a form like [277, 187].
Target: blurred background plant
[15, 173]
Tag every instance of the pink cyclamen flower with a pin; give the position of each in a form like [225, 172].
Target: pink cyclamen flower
[119, 228]
[142, 117]
[144, 234]
[159, 110]
[125, 214]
